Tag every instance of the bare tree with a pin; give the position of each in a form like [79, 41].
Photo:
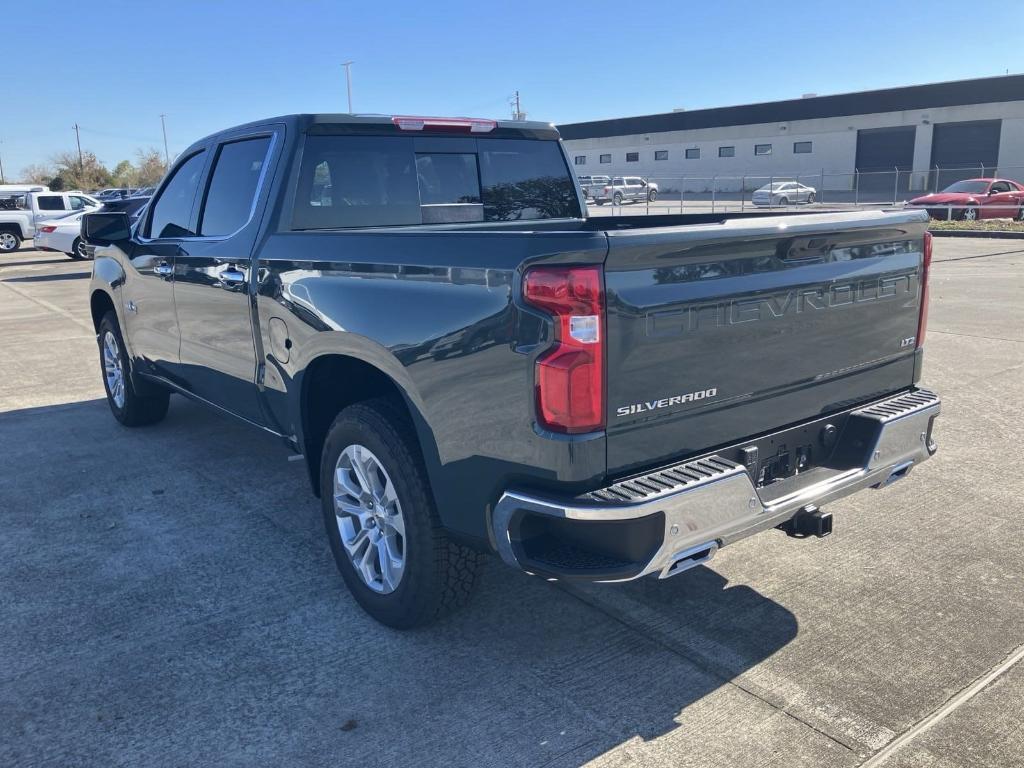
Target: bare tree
[90, 173]
[37, 173]
[150, 167]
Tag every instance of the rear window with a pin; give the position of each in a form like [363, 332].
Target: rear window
[374, 181]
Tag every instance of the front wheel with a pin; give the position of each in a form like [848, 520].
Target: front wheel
[969, 214]
[9, 242]
[617, 199]
[383, 527]
[810, 198]
[652, 196]
[130, 407]
[1020, 214]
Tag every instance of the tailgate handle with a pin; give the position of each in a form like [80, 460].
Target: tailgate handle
[805, 250]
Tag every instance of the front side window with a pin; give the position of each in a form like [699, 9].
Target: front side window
[632, 157]
[605, 158]
[77, 203]
[51, 203]
[661, 154]
[727, 151]
[232, 188]
[371, 181]
[172, 212]
[762, 149]
[580, 160]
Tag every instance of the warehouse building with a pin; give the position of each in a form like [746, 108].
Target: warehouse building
[893, 141]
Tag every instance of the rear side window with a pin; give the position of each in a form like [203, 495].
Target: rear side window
[172, 212]
[50, 202]
[232, 188]
[373, 181]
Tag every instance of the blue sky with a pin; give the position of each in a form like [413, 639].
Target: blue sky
[114, 67]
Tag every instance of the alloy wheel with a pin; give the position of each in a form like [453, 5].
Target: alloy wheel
[112, 369]
[8, 242]
[370, 519]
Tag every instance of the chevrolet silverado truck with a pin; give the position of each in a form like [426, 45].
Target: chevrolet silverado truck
[420, 308]
[22, 213]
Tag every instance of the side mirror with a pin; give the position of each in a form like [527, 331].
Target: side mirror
[106, 228]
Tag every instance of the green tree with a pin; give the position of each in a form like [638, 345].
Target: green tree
[124, 175]
[87, 173]
[149, 168]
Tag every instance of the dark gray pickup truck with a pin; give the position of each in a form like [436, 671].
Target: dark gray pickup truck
[421, 308]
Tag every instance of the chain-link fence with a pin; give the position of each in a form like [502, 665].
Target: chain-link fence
[822, 189]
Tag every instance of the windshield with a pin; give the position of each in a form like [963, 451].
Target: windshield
[968, 187]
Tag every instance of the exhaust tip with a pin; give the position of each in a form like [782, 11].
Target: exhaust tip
[690, 558]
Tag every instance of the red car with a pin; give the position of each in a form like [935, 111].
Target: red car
[973, 199]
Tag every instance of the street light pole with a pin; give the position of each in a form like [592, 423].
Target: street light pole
[167, 155]
[348, 82]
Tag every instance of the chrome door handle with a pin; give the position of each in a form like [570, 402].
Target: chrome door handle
[163, 270]
[232, 277]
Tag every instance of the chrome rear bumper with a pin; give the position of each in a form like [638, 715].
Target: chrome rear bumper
[710, 502]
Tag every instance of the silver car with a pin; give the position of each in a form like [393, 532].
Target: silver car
[623, 188]
[782, 193]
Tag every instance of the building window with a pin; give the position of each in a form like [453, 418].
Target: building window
[762, 149]
[605, 159]
[632, 157]
[661, 154]
[727, 151]
[801, 147]
[580, 160]
[693, 154]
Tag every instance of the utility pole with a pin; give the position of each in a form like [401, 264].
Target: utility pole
[167, 155]
[2, 180]
[517, 112]
[78, 140]
[348, 82]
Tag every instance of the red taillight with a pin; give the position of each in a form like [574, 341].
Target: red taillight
[570, 376]
[926, 263]
[47, 229]
[607, 189]
[453, 124]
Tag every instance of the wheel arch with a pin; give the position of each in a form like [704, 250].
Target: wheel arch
[333, 381]
[100, 302]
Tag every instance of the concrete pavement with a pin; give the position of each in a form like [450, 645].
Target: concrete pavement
[162, 608]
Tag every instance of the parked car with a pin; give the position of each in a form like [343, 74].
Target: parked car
[22, 213]
[112, 193]
[63, 235]
[466, 362]
[974, 199]
[127, 204]
[593, 185]
[629, 188]
[782, 193]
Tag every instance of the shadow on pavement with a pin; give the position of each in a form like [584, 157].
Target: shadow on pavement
[170, 597]
[49, 278]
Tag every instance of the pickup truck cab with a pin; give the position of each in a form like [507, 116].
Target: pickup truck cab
[22, 212]
[467, 363]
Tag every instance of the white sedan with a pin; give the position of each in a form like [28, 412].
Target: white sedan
[783, 193]
[64, 235]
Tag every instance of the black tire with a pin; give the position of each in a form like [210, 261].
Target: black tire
[78, 252]
[9, 241]
[1020, 214]
[810, 198]
[617, 199]
[599, 202]
[652, 196]
[970, 213]
[783, 202]
[136, 409]
[438, 574]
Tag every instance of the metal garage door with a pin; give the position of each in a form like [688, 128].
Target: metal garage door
[884, 159]
[965, 150]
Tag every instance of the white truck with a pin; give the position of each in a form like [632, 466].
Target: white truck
[23, 208]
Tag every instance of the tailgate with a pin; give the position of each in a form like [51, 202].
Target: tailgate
[721, 332]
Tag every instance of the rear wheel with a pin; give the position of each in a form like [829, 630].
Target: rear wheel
[78, 251]
[130, 407]
[383, 527]
[783, 202]
[9, 242]
[599, 202]
[1020, 214]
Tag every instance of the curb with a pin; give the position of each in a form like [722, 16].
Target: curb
[992, 233]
